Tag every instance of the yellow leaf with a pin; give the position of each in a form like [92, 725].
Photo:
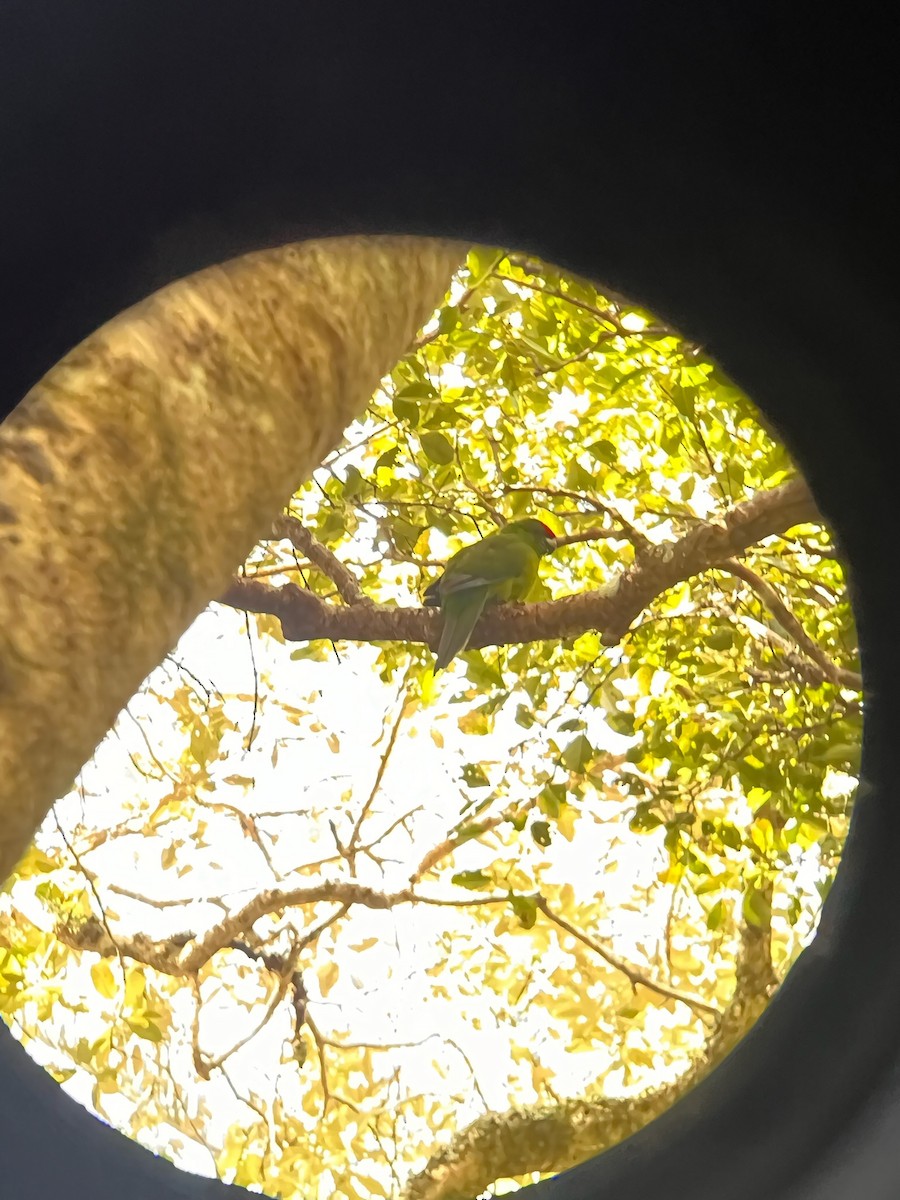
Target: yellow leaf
[474, 722]
[428, 686]
[586, 647]
[643, 677]
[135, 983]
[683, 960]
[103, 978]
[35, 862]
[565, 822]
[235, 1141]
[676, 596]
[372, 1186]
[366, 944]
[761, 834]
[327, 975]
[672, 873]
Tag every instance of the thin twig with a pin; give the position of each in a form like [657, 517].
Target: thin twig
[631, 973]
[785, 618]
[352, 844]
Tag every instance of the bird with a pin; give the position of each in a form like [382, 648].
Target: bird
[502, 566]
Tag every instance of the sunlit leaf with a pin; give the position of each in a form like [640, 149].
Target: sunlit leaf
[103, 979]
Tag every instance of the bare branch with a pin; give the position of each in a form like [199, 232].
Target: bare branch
[784, 616]
[320, 556]
[353, 843]
[459, 836]
[632, 974]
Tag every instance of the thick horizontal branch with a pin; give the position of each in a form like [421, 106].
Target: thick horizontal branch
[306, 617]
[184, 954]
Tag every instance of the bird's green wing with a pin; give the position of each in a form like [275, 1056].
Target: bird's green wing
[476, 567]
[473, 577]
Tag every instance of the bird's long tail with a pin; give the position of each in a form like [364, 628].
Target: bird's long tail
[458, 626]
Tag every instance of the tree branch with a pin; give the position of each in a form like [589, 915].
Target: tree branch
[306, 617]
[632, 974]
[784, 616]
[320, 556]
[184, 954]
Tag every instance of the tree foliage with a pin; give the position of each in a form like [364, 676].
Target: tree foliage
[479, 926]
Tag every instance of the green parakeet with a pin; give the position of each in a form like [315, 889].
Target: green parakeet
[502, 566]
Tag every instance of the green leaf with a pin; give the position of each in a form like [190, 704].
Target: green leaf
[480, 261]
[438, 448]
[839, 754]
[525, 717]
[621, 723]
[468, 833]
[353, 482]
[551, 798]
[448, 319]
[695, 376]
[474, 776]
[419, 389]
[388, 458]
[406, 410]
[577, 754]
[671, 438]
[578, 479]
[604, 451]
[333, 524]
[730, 836]
[525, 908]
[473, 881]
[540, 832]
[645, 818]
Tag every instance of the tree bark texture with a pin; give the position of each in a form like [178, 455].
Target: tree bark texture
[139, 472]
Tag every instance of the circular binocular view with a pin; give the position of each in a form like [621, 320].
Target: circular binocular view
[486, 806]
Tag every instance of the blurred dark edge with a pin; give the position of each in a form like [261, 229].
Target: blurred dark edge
[733, 167]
